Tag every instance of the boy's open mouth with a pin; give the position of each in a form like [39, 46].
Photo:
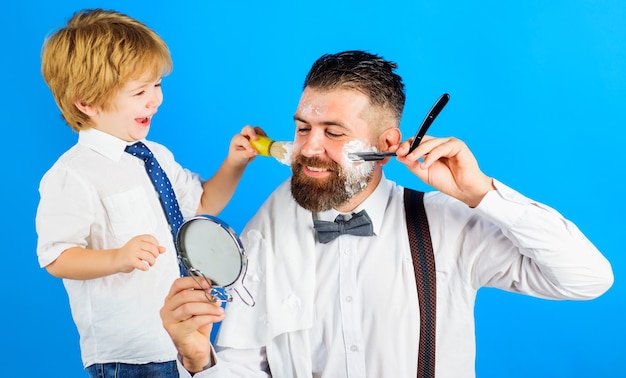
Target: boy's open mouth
[144, 120]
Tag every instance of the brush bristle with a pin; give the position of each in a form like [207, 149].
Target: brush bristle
[281, 151]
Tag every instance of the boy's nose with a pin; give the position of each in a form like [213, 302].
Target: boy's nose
[155, 98]
[154, 101]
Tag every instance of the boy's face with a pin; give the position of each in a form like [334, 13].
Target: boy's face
[131, 110]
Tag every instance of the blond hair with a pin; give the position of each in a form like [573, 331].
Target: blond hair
[94, 56]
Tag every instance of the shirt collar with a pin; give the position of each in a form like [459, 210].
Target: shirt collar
[103, 143]
[375, 205]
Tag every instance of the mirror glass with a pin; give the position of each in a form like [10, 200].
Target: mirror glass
[209, 249]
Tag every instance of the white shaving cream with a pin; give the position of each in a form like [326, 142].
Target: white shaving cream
[310, 108]
[356, 172]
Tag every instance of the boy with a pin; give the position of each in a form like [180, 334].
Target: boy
[100, 225]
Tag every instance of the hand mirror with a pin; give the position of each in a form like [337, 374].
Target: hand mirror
[210, 250]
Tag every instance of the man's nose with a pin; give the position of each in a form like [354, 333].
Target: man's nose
[313, 145]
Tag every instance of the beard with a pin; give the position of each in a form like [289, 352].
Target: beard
[318, 195]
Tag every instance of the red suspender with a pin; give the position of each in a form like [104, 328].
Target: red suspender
[425, 277]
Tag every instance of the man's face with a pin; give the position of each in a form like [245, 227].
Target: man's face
[327, 124]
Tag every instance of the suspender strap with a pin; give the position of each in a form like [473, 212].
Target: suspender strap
[424, 265]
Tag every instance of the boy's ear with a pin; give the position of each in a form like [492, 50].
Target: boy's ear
[86, 108]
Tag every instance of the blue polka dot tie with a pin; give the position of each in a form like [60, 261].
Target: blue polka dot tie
[161, 183]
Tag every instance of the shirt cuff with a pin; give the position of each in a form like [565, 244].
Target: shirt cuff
[212, 362]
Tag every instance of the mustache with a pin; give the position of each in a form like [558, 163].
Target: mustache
[302, 160]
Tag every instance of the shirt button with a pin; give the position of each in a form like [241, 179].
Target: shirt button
[354, 348]
[348, 299]
[346, 251]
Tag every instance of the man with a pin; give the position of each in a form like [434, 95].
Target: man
[348, 307]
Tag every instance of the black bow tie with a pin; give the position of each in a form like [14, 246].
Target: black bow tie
[360, 225]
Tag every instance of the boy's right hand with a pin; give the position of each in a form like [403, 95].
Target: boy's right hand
[140, 253]
[240, 151]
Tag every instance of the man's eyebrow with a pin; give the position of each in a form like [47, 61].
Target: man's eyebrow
[299, 119]
[326, 123]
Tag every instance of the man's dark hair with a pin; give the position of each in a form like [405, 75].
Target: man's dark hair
[367, 73]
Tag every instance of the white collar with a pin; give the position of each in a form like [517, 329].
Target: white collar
[105, 144]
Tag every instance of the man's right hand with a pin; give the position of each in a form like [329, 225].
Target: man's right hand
[188, 317]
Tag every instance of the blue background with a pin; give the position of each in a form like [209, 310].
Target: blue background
[537, 91]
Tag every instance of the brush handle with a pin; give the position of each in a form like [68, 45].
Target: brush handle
[262, 145]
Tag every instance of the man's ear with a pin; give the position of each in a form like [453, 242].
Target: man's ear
[86, 108]
[390, 137]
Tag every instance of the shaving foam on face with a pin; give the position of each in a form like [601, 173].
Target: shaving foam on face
[310, 109]
[356, 172]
